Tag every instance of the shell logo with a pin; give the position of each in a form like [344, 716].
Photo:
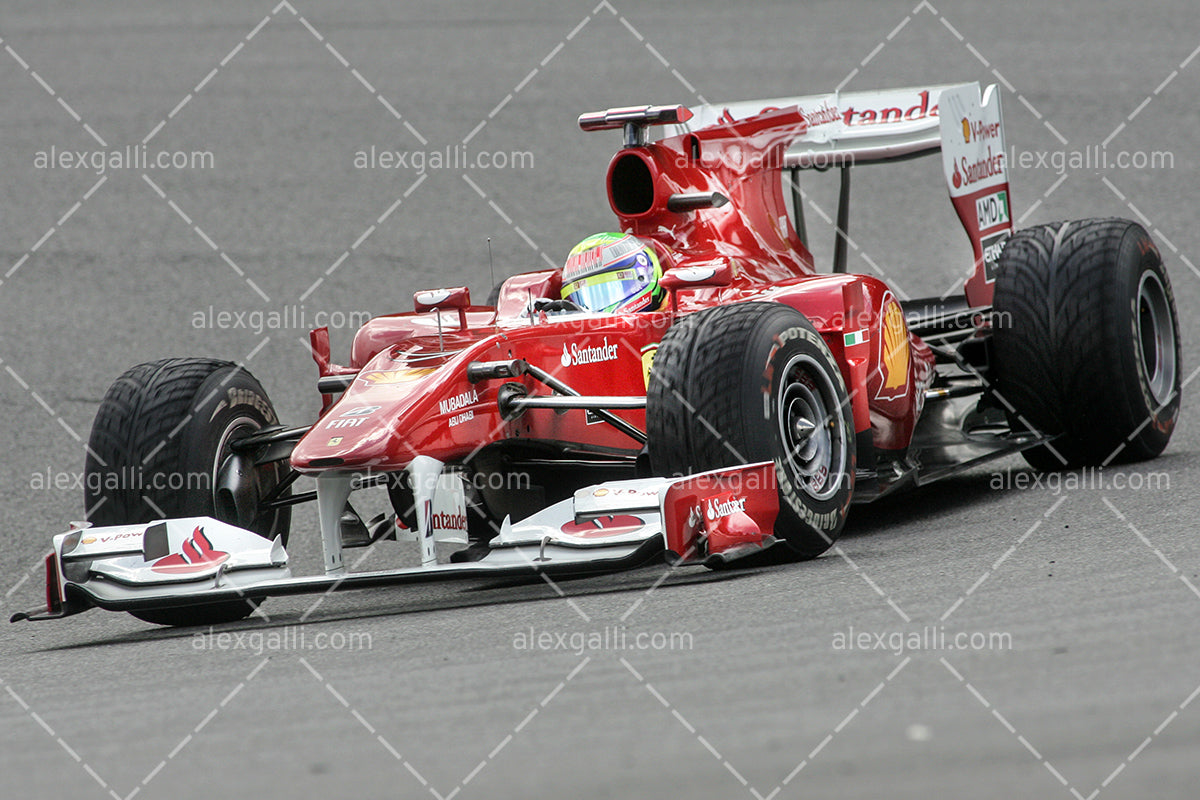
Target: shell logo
[894, 352]
[647, 362]
[966, 130]
[384, 377]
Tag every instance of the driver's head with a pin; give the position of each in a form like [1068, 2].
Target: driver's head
[612, 272]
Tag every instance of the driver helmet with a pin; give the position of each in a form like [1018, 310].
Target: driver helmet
[612, 273]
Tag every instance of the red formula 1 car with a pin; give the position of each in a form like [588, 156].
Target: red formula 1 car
[690, 384]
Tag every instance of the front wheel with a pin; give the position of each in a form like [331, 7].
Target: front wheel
[161, 447]
[755, 382]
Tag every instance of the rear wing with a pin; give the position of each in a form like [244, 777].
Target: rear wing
[845, 129]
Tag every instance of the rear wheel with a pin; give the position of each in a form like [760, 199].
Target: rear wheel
[161, 447]
[1087, 342]
[755, 382]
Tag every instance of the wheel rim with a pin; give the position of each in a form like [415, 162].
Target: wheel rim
[1156, 337]
[810, 426]
[227, 466]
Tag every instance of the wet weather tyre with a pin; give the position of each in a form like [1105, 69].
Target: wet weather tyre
[160, 448]
[1086, 342]
[755, 382]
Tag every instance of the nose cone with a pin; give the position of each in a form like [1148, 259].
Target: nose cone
[377, 424]
[327, 448]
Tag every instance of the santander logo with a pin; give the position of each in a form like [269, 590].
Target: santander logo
[722, 506]
[588, 355]
[442, 521]
[197, 555]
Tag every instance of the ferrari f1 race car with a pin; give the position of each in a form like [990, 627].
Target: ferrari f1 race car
[689, 387]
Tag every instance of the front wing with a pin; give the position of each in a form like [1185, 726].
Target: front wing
[710, 518]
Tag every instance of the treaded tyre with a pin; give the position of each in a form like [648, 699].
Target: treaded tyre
[160, 448]
[755, 382]
[1087, 342]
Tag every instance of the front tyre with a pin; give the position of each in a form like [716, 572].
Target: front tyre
[161, 447]
[1087, 341]
[755, 382]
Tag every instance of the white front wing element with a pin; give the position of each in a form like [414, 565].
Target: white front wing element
[164, 559]
[613, 513]
[186, 551]
[199, 561]
[441, 506]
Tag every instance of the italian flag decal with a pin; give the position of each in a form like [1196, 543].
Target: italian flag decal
[858, 337]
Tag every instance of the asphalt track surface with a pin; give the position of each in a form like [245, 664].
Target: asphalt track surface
[1093, 580]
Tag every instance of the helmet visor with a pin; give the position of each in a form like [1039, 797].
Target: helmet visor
[624, 289]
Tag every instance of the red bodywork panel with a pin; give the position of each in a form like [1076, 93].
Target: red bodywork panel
[411, 396]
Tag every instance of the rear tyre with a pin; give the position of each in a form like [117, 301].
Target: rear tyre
[1087, 342]
[755, 382]
[160, 448]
